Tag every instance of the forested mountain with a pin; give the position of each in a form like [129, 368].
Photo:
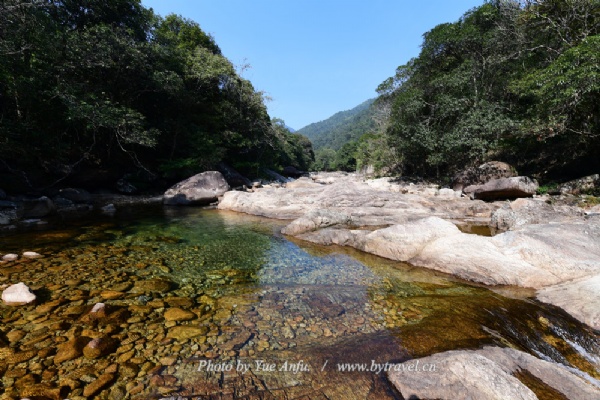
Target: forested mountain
[512, 80]
[93, 90]
[340, 128]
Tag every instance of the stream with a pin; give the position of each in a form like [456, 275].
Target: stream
[214, 304]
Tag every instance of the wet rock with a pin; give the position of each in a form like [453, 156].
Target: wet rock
[504, 188]
[177, 314]
[41, 391]
[186, 332]
[111, 294]
[200, 189]
[98, 385]
[152, 285]
[71, 350]
[18, 295]
[100, 347]
[10, 257]
[484, 374]
[32, 254]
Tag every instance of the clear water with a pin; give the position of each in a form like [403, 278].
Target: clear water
[258, 301]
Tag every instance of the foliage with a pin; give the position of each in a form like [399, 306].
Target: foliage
[513, 80]
[90, 87]
[342, 127]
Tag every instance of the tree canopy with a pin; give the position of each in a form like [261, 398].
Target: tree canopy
[92, 90]
[512, 80]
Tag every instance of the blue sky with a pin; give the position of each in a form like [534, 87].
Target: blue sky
[316, 57]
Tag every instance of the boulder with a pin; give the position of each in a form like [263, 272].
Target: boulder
[75, 195]
[586, 185]
[10, 212]
[233, 178]
[292, 172]
[503, 188]
[200, 189]
[123, 186]
[18, 295]
[302, 182]
[482, 174]
[278, 178]
[492, 373]
[316, 219]
[36, 208]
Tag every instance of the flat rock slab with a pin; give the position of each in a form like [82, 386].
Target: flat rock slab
[491, 373]
[580, 298]
[503, 188]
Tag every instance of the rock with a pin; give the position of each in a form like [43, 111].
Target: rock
[482, 174]
[234, 179]
[2, 194]
[41, 391]
[10, 212]
[292, 172]
[98, 308]
[177, 314]
[302, 182]
[185, 332]
[71, 350]
[125, 187]
[533, 211]
[159, 285]
[75, 195]
[37, 208]
[586, 185]
[96, 386]
[200, 189]
[100, 347]
[276, 176]
[503, 188]
[18, 295]
[109, 209]
[32, 254]
[10, 257]
[449, 193]
[490, 373]
[580, 298]
[316, 219]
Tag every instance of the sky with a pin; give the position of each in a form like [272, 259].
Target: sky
[314, 58]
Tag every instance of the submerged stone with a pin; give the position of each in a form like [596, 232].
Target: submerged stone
[18, 295]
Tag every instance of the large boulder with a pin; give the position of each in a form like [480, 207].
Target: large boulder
[491, 373]
[200, 189]
[503, 188]
[292, 172]
[233, 178]
[483, 174]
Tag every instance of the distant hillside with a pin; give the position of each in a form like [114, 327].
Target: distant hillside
[341, 128]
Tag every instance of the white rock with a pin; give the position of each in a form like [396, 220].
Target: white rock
[16, 295]
[10, 257]
[98, 307]
[31, 254]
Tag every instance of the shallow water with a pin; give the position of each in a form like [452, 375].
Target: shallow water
[203, 303]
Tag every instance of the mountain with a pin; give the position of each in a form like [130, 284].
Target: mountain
[340, 128]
